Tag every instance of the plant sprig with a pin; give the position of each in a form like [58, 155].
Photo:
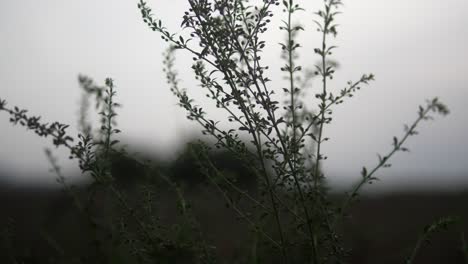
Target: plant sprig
[424, 114]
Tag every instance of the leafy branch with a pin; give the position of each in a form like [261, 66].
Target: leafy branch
[433, 106]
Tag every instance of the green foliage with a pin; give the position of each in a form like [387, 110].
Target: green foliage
[289, 211]
[437, 226]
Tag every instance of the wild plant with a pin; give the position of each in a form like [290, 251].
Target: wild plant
[290, 213]
[133, 232]
[225, 40]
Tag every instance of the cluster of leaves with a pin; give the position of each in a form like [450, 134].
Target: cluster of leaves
[55, 130]
[437, 226]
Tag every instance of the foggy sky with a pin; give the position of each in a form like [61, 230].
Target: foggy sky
[416, 49]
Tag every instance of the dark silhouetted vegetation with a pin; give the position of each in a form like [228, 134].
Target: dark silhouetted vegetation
[258, 194]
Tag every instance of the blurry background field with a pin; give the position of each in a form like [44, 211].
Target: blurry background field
[383, 227]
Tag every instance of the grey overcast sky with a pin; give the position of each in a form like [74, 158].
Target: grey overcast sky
[417, 50]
